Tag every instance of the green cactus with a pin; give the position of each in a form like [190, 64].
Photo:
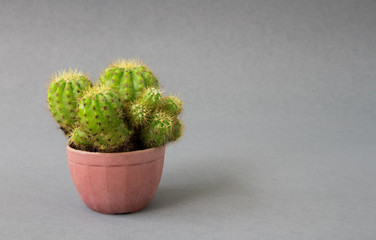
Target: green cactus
[139, 112]
[171, 105]
[101, 114]
[138, 115]
[158, 131]
[80, 139]
[177, 130]
[128, 79]
[96, 117]
[150, 98]
[64, 90]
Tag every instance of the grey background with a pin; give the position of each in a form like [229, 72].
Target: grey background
[279, 111]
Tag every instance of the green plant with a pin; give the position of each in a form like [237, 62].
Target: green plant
[65, 88]
[124, 111]
[128, 78]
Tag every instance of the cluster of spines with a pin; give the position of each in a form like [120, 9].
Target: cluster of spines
[138, 115]
[64, 91]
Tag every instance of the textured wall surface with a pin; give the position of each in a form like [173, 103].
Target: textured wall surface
[279, 110]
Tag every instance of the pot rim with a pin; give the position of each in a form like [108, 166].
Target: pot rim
[117, 158]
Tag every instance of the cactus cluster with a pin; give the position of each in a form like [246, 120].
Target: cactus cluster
[124, 111]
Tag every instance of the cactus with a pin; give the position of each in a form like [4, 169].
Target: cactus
[162, 126]
[177, 130]
[101, 115]
[64, 90]
[138, 115]
[139, 112]
[125, 111]
[150, 98]
[171, 105]
[158, 131]
[128, 78]
[80, 139]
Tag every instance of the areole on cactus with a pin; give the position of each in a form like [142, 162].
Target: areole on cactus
[124, 111]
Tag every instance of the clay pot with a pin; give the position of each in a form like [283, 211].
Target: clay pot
[116, 182]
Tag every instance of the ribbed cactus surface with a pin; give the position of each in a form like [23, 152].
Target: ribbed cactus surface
[171, 105]
[128, 78]
[158, 131]
[64, 90]
[101, 115]
[177, 130]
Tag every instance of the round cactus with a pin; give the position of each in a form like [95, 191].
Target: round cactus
[177, 130]
[158, 131]
[80, 139]
[101, 114]
[171, 105]
[64, 91]
[138, 115]
[128, 78]
[150, 98]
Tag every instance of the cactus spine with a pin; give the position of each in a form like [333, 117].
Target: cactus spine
[64, 90]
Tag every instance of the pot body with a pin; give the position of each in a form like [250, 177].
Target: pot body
[116, 182]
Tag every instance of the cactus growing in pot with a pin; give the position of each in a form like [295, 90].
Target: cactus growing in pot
[128, 78]
[64, 90]
[125, 105]
[124, 120]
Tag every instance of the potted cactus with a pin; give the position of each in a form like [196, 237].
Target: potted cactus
[117, 128]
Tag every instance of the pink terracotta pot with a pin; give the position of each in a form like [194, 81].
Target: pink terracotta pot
[116, 182]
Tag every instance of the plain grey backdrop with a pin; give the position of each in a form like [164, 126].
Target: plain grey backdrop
[280, 114]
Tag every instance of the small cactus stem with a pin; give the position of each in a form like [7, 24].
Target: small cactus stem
[150, 98]
[177, 130]
[138, 115]
[80, 139]
[101, 114]
[158, 131]
[64, 91]
[107, 142]
[172, 105]
[128, 78]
